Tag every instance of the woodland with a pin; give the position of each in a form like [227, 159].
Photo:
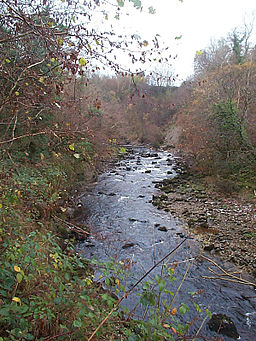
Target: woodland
[61, 117]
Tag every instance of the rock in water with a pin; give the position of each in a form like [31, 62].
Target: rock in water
[223, 324]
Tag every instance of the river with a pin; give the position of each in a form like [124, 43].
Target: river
[126, 226]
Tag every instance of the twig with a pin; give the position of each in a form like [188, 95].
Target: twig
[233, 278]
[57, 336]
[71, 226]
[125, 295]
[23, 136]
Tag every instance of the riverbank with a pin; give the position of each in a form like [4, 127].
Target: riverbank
[226, 224]
[47, 291]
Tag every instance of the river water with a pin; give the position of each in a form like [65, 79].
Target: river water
[126, 226]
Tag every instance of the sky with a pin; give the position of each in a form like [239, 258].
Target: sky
[197, 21]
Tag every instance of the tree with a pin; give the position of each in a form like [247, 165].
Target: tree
[43, 44]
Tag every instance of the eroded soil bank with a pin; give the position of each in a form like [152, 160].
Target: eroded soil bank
[226, 224]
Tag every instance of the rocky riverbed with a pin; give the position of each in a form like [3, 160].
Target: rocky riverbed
[226, 225]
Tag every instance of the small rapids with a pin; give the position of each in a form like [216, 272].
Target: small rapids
[125, 225]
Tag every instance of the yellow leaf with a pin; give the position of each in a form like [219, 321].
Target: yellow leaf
[16, 268]
[60, 41]
[63, 209]
[82, 62]
[52, 60]
[72, 146]
[199, 53]
[50, 23]
[26, 83]
[41, 80]
[42, 156]
[16, 299]
[17, 93]
[117, 282]
[1, 206]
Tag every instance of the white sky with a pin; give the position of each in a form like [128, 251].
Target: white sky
[198, 21]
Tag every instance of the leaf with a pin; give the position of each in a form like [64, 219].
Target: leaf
[16, 299]
[41, 80]
[17, 93]
[136, 3]
[208, 313]
[16, 268]
[199, 53]
[151, 10]
[82, 62]
[42, 156]
[178, 37]
[174, 311]
[182, 310]
[60, 41]
[120, 3]
[174, 330]
[7, 60]
[122, 150]
[72, 146]
[165, 325]
[77, 156]
[19, 277]
[77, 324]
[1, 206]
[145, 43]
[197, 307]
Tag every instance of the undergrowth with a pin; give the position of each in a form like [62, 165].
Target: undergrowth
[47, 291]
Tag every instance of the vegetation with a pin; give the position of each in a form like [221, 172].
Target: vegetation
[58, 120]
[216, 121]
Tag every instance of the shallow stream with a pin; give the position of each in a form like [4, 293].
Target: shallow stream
[125, 225]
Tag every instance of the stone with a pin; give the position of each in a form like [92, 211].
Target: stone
[148, 171]
[112, 194]
[223, 324]
[132, 219]
[209, 247]
[127, 245]
[162, 228]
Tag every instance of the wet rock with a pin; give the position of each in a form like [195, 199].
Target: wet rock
[128, 168]
[209, 247]
[141, 196]
[157, 225]
[154, 162]
[223, 324]
[180, 234]
[127, 245]
[88, 243]
[148, 171]
[154, 155]
[162, 228]
[132, 219]
[111, 194]
[169, 172]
